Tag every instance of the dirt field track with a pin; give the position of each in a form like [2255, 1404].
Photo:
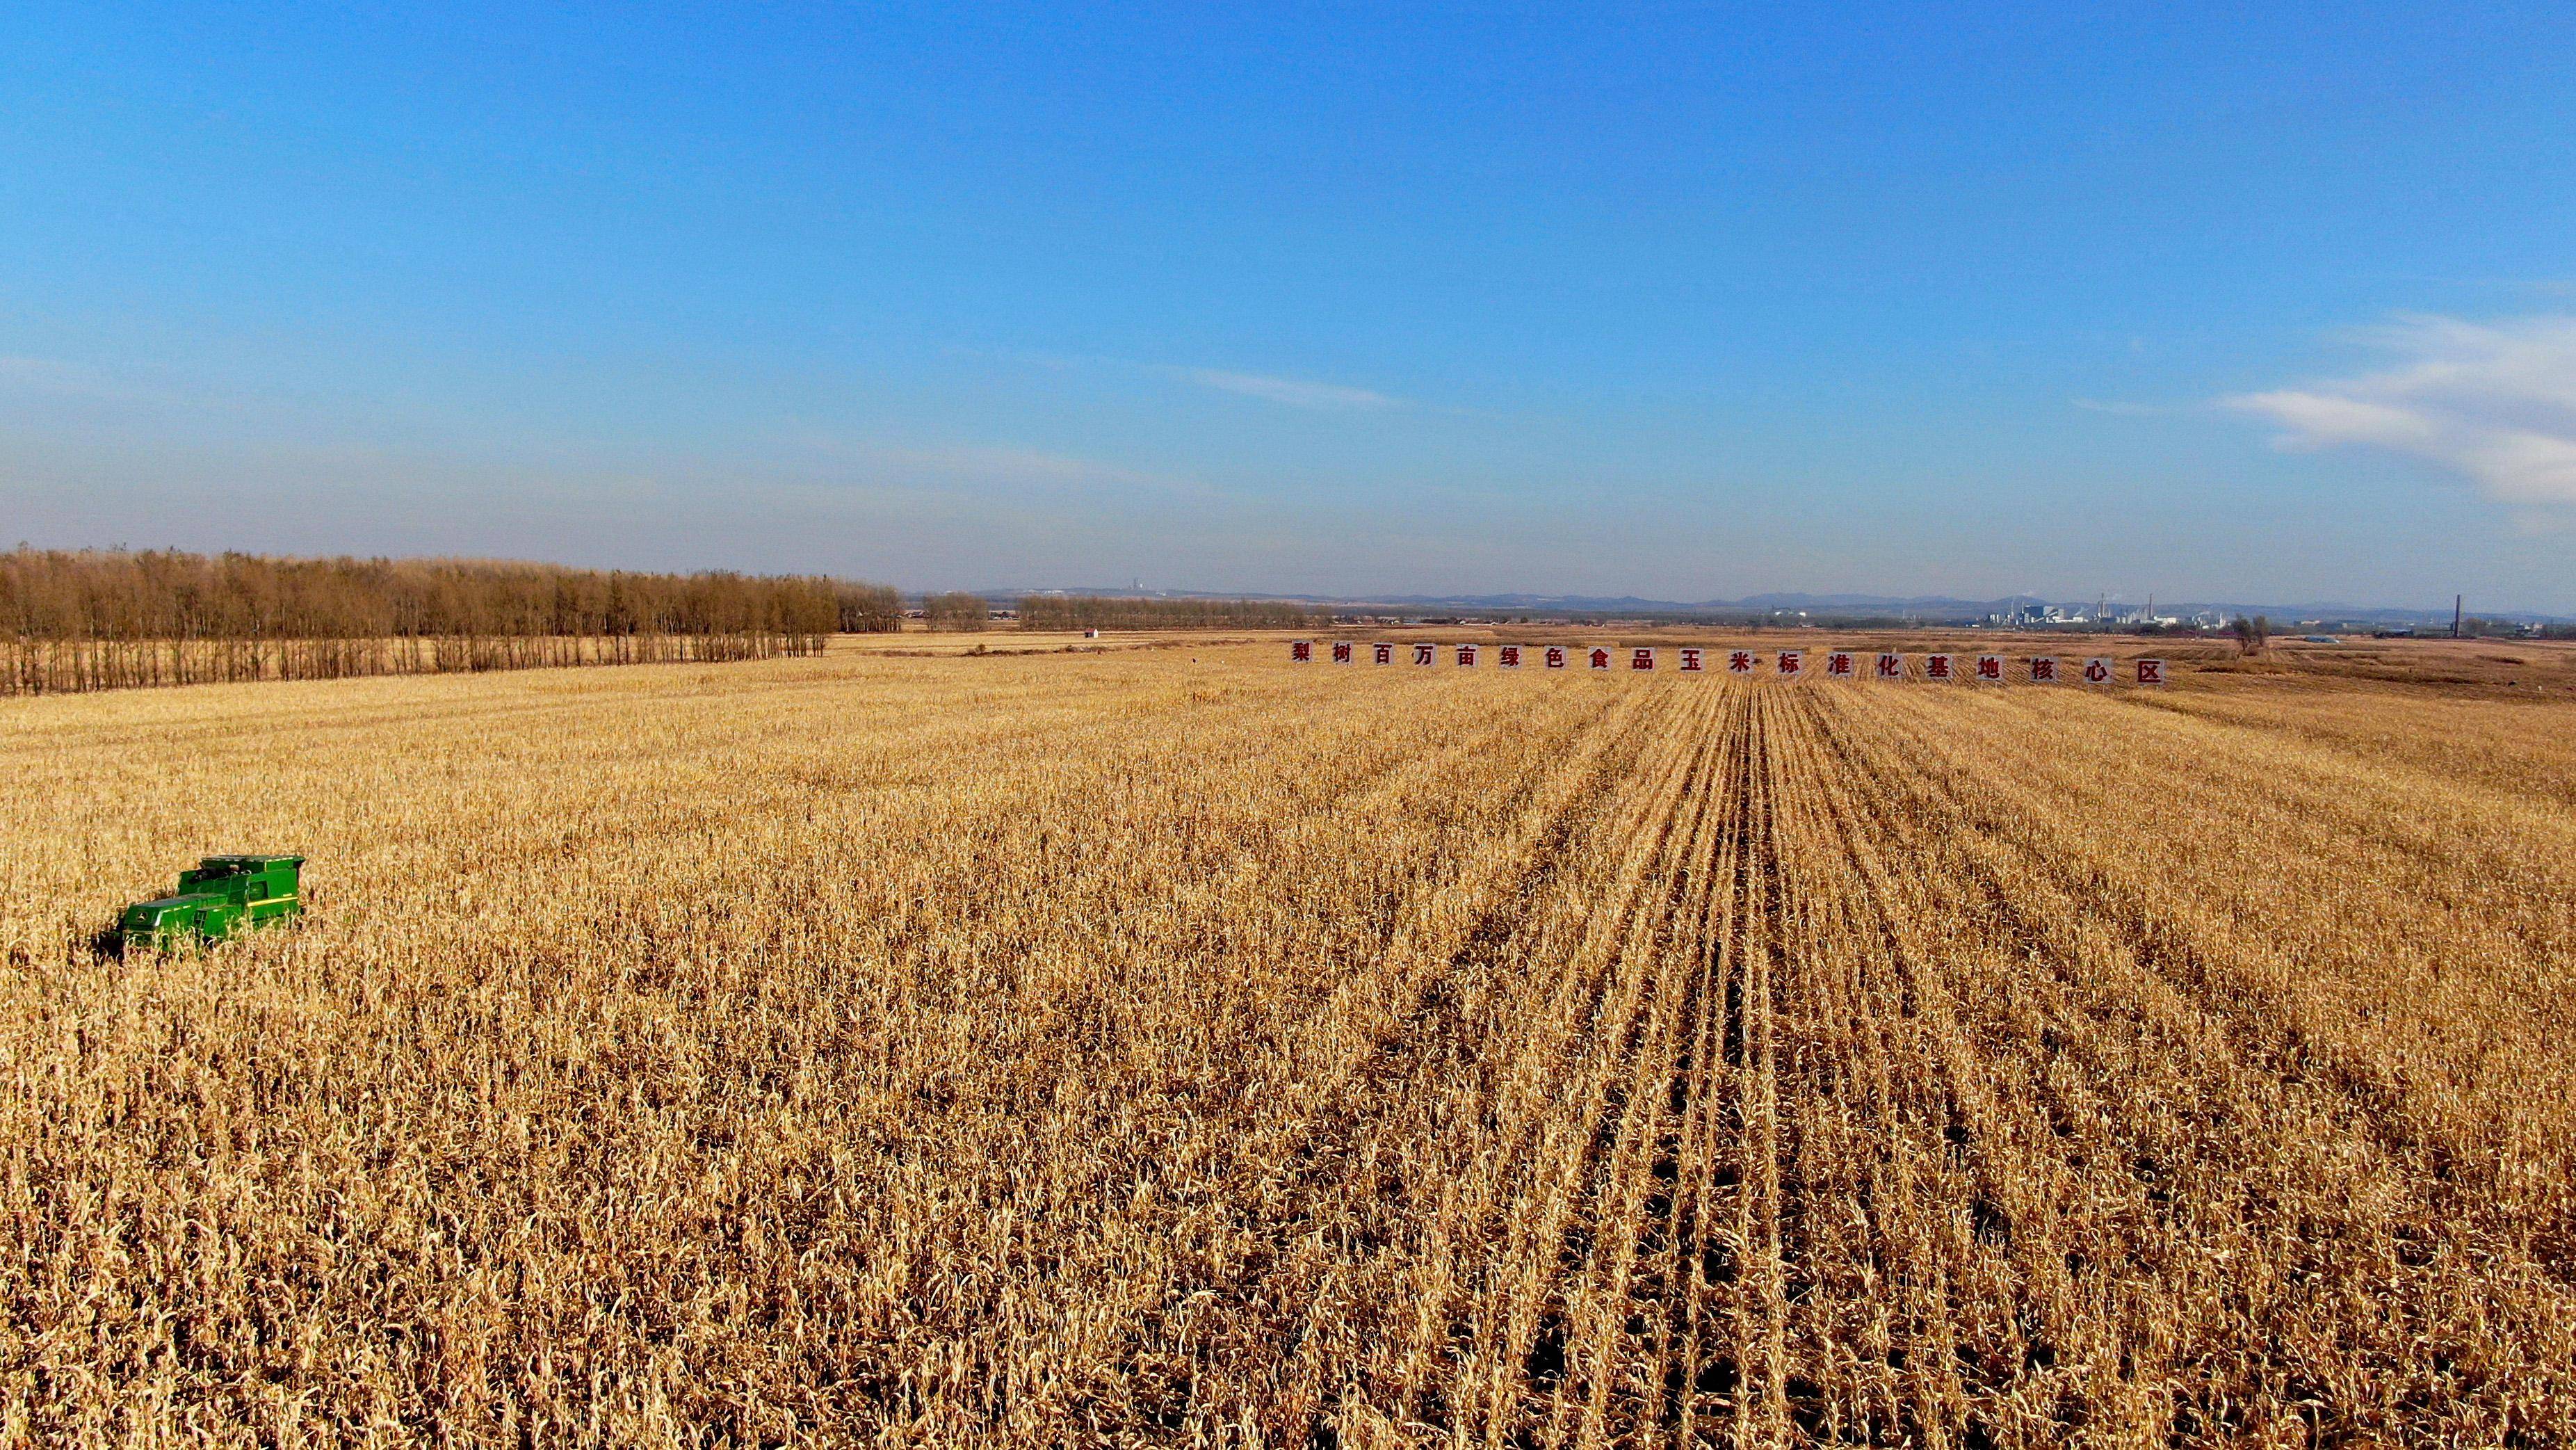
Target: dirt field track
[1181, 1046]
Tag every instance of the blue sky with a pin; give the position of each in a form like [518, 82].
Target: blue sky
[1679, 301]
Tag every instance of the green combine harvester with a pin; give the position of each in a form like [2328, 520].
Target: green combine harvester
[223, 897]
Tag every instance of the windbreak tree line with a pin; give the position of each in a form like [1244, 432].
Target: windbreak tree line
[1060, 612]
[91, 620]
[966, 612]
[868, 608]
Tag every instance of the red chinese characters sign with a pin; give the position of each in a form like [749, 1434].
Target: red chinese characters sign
[1840, 664]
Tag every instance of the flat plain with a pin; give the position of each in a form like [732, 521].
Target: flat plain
[1177, 1045]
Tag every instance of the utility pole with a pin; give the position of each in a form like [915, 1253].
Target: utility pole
[2455, 614]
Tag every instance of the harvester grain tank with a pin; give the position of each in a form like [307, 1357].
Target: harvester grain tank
[221, 897]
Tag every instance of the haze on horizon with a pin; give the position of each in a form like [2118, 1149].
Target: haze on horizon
[1676, 302]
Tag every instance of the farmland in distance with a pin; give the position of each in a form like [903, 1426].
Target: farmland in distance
[1177, 1045]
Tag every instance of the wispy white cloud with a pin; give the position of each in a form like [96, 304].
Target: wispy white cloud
[1001, 464]
[2494, 402]
[139, 391]
[998, 466]
[1291, 392]
[1294, 392]
[55, 378]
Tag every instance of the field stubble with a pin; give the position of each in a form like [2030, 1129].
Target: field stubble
[1148, 1047]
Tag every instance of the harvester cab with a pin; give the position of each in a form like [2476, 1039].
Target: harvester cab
[221, 897]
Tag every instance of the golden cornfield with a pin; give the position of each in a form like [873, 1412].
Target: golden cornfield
[1184, 1047]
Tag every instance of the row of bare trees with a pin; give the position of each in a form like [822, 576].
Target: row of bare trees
[967, 612]
[109, 619]
[868, 608]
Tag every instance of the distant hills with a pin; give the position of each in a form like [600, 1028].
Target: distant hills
[1918, 608]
